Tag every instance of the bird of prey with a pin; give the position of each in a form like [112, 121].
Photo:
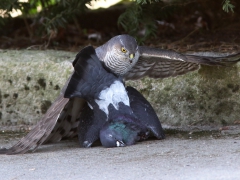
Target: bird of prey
[122, 57]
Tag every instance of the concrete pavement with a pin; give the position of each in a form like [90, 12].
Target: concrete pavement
[179, 156]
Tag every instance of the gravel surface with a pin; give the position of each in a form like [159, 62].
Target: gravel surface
[206, 157]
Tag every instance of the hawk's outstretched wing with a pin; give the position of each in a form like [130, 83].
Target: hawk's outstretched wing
[67, 123]
[160, 63]
[41, 131]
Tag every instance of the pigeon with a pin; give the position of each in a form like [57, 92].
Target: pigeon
[123, 131]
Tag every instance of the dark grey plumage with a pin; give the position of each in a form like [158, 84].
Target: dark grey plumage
[145, 113]
[124, 58]
[121, 130]
[125, 126]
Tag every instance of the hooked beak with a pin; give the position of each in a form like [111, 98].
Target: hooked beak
[131, 56]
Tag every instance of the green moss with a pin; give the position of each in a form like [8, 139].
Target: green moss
[28, 78]
[15, 95]
[42, 82]
[5, 95]
[26, 87]
[45, 105]
[56, 87]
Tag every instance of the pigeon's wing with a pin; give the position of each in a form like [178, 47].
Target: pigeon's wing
[90, 76]
[89, 126]
[42, 129]
[85, 122]
[160, 63]
[145, 112]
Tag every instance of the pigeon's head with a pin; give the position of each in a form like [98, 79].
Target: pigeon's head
[122, 54]
[120, 134]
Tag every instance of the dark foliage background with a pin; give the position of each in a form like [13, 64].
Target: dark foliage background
[69, 23]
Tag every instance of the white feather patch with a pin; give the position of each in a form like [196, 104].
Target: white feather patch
[113, 95]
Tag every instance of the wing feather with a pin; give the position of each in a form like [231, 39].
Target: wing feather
[66, 126]
[42, 129]
[160, 63]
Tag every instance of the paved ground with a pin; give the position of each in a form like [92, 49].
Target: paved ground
[177, 157]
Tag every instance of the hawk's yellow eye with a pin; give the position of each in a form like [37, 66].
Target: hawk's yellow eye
[124, 50]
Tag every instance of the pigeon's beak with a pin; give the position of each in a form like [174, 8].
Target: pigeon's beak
[120, 144]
